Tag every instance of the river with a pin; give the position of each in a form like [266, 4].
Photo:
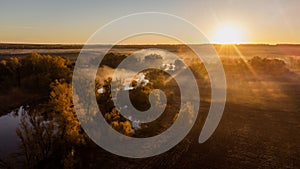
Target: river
[9, 142]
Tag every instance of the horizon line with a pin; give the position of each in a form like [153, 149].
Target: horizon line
[140, 44]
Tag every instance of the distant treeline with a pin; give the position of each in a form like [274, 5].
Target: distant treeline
[136, 46]
[80, 46]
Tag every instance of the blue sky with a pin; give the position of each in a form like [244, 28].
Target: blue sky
[262, 21]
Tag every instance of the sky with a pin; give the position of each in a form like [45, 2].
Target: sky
[255, 21]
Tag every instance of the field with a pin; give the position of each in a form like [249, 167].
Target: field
[259, 128]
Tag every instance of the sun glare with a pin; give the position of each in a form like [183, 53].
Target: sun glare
[228, 34]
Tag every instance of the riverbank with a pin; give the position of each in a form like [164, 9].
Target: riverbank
[15, 98]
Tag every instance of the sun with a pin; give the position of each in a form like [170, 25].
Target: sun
[228, 34]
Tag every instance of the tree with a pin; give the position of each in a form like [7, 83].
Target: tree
[36, 137]
[10, 71]
[269, 66]
[55, 135]
[118, 122]
[69, 128]
[41, 70]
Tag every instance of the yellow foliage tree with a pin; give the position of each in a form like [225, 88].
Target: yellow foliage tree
[64, 113]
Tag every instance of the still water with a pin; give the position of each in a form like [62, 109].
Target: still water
[9, 141]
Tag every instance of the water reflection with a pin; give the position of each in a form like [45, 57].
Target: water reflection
[9, 142]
